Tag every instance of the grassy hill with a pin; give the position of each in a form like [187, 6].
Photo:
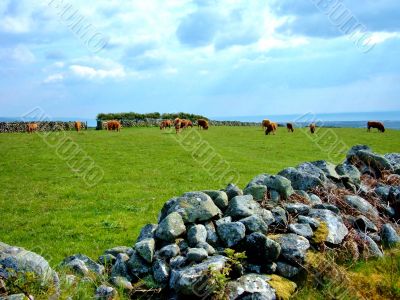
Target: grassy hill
[47, 207]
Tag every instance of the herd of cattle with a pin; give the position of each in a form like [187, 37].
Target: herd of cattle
[180, 124]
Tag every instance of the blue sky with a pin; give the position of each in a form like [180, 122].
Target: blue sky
[218, 58]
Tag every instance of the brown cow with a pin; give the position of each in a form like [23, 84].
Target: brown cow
[78, 126]
[190, 124]
[313, 128]
[274, 126]
[269, 129]
[30, 128]
[114, 125]
[201, 123]
[177, 124]
[377, 125]
[166, 123]
[290, 127]
[265, 123]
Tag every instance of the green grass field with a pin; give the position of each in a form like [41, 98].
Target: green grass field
[48, 208]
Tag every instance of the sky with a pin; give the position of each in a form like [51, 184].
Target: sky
[216, 58]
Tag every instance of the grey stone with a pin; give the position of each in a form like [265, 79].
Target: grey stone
[196, 234]
[161, 271]
[177, 262]
[169, 251]
[280, 184]
[14, 297]
[275, 196]
[196, 255]
[258, 180]
[314, 223]
[314, 199]
[287, 270]
[362, 205]
[220, 198]
[231, 233]
[171, 227]
[293, 247]
[255, 269]
[137, 266]
[280, 216]
[212, 236]
[389, 236]
[301, 180]
[254, 223]
[374, 161]
[302, 194]
[336, 227]
[260, 249]
[120, 268]
[347, 169]
[242, 207]
[223, 221]
[232, 191]
[82, 264]
[327, 206]
[302, 230]
[372, 248]
[394, 160]
[107, 259]
[328, 168]
[257, 191]
[122, 283]
[383, 191]
[364, 224]
[191, 279]
[266, 215]
[253, 285]
[120, 249]
[104, 292]
[147, 232]
[210, 249]
[297, 208]
[182, 244]
[146, 249]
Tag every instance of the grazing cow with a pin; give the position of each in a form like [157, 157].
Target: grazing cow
[201, 123]
[78, 126]
[274, 126]
[30, 128]
[265, 123]
[166, 123]
[377, 125]
[190, 124]
[290, 127]
[269, 129]
[114, 125]
[312, 128]
[177, 124]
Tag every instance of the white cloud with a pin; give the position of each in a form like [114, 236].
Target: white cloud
[54, 78]
[381, 37]
[92, 73]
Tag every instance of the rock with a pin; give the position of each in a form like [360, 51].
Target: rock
[375, 237]
[212, 236]
[250, 286]
[311, 169]
[223, 221]
[15, 297]
[104, 292]
[314, 199]
[327, 206]
[196, 234]
[314, 223]
[258, 180]
[362, 205]
[107, 259]
[171, 227]
[16, 260]
[280, 184]
[146, 249]
[231, 233]
[301, 180]
[137, 266]
[232, 191]
[82, 264]
[376, 162]
[182, 244]
[364, 224]
[383, 191]
[328, 168]
[161, 271]
[372, 248]
[394, 160]
[196, 255]
[169, 251]
[194, 207]
[348, 170]
[257, 191]
[280, 216]
[120, 249]
[192, 279]
[293, 247]
[210, 249]
[287, 270]
[120, 268]
[177, 262]
[337, 231]
[122, 283]
[267, 216]
[389, 236]
[297, 208]
[242, 207]
[260, 249]
[275, 196]
[254, 223]
[250, 268]
[302, 194]
[70, 279]
[147, 232]
[302, 230]
[269, 268]
[220, 198]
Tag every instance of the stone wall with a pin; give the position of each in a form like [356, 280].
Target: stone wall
[10, 127]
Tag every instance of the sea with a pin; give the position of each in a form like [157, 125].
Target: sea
[351, 120]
